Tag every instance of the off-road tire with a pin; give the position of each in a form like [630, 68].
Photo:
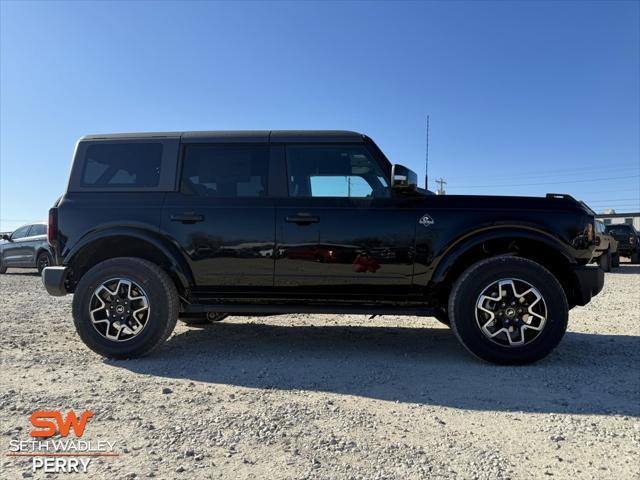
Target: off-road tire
[163, 306]
[44, 260]
[469, 286]
[605, 261]
[615, 260]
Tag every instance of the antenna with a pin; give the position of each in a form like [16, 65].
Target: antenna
[426, 166]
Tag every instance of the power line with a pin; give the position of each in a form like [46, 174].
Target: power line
[545, 183]
[568, 171]
[616, 199]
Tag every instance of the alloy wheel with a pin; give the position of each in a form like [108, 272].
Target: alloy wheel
[119, 309]
[511, 312]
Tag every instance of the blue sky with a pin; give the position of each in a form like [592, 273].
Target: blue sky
[524, 97]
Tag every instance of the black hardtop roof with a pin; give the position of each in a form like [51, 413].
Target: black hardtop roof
[257, 136]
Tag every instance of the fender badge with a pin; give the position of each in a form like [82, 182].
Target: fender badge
[426, 220]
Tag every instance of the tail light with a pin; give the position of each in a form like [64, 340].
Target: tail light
[589, 232]
[52, 226]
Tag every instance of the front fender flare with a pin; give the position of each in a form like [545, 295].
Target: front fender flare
[474, 239]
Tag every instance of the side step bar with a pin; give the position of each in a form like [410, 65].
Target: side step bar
[301, 308]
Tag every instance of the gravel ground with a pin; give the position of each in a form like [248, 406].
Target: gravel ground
[313, 396]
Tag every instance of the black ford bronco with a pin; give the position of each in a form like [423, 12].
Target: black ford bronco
[200, 225]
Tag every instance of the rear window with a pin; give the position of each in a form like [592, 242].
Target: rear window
[619, 229]
[225, 171]
[38, 230]
[122, 165]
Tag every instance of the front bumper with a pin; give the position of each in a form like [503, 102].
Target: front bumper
[589, 281]
[53, 279]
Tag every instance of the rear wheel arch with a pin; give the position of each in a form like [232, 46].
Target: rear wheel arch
[537, 247]
[129, 243]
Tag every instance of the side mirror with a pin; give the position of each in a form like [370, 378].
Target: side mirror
[6, 237]
[403, 178]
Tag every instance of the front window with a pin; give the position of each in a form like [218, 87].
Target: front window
[343, 171]
[20, 232]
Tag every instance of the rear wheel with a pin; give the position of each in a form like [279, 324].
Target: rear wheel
[635, 257]
[43, 261]
[125, 307]
[508, 310]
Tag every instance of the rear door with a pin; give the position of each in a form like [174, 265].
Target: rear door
[37, 234]
[222, 216]
[342, 233]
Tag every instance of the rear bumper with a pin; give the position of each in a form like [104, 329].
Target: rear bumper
[626, 250]
[53, 279]
[589, 281]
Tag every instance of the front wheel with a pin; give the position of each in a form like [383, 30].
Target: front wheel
[605, 261]
[615, 260]
[125, 307]
[635, 257]
[508, 310]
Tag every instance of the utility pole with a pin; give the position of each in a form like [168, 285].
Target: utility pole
[441, 182]
[426, 167]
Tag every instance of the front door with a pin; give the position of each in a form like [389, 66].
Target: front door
[341, 233]
[223, 219]
[18, 251]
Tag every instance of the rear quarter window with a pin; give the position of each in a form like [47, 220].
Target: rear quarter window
[122, 164]
[135, 165]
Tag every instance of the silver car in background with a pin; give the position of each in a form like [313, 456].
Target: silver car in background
[27, 247]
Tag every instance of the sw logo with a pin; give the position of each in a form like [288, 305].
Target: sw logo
[426, 220]
[46, 427]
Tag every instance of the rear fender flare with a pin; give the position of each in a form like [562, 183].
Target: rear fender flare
[177, 263]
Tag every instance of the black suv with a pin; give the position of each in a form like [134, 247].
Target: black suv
[161, 225]
[628, 240]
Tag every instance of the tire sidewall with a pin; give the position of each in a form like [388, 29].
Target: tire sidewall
[482, 275]
[159, 307]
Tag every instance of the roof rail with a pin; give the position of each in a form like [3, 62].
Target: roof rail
[559, 195]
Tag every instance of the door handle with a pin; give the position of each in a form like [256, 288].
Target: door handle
[302, 219]
[187, 217]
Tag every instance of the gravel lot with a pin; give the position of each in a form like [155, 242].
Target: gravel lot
[312, 396]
